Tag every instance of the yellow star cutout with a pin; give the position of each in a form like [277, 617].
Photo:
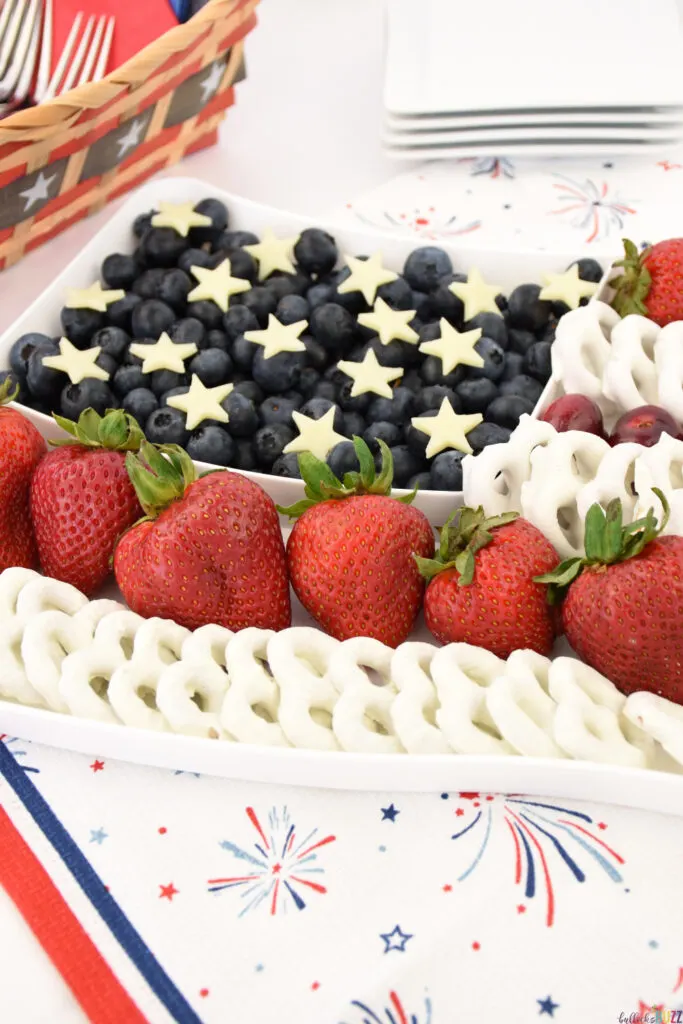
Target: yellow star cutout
[477, 295]
[390, 324]
[201, 403]
[278, 337]
[217, 285]
[76, 364]
[316, 436]
[272, 253]
[164, 354]
[366, 276]
[453, 348]
[181, 216]
[447, 429]
[95, 297]
[567, 287]
[370, 375]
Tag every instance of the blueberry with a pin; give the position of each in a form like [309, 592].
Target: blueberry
[316, 408]
[432, 397]
[280, 284]
[21, 351]
[524, 387]
[119, 271]
[243, 353]
[446, 471]
[112, 340]
[89, 394]
[151, 318]
[445, 303]
[492, 326]
[526, 310]
[243, 457]
[334, 327]
[243, 418]
[287, 465]
[412, 380]
[167, 426]
[161, 247]
[316, 251]
[215, 339]
[108, 363]
[325, 389]
[319, 294]
[432, 373]
[42, 382]
[237, 320]
[210, 443]
[199, 258]
[250, 390]
[188, 331]
[127, 379]
[537, 361]
[514, 365]
[487, 433]
[269, 442]
[589, 269]
[206, 311]
[277, 410]
[164, 380]
[359, 403]
[521, 341]
[212, 366]
[506, 410]
[230, 240]
[398, 294]
[422, 304]
[218, 213]
[120, 313]
[417, 440]
[171, 393]
[242, 265]
[79, 325]
[174, 289]
[352, 302]
[422, 481]
[142, 224]
[406, 465]
[354, 424]
[476, 395]
[260, 301]
[395, 353]
[140, 403]
[426, 266]
[147, 285]
[292, 308]
[279, 373]
[397, 409]
[548, 334]
[318, 357]
[343, 459]
[308, 382]
[494, 360]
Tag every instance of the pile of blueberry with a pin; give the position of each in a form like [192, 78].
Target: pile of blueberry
[156, 277]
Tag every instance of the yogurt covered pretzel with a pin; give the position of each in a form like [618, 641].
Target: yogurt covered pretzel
[251, 705]
[413, 710]
[47, 639]
[299, 659]
[581, 351]
[462, 675]
[361, 718]
[494, 478]
[520, 706]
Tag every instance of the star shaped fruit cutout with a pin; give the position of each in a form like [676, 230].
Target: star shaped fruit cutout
[395, 939]
[390, 324]
[567, 287]
[76, 364]
[315, 436]
[453, 348]
[278, 337]
[200, 403]
[181, 217]
[164, 354]
[476, 294]
[95, 297]
[366, 276]
[272, 253]
[447, 429]
[217, 285]
[370, 375]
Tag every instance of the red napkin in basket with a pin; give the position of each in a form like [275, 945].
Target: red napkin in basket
[137, 24]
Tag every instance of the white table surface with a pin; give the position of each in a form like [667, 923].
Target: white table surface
[304, 136]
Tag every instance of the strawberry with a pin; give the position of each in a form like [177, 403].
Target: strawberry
[623, 602]
[652, 282]
[21, 449]
[82, 499]
[209, 549]
[350, 552]
[481, 586]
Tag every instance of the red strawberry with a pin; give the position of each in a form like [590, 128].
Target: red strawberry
[652, 282]
[623, 609]
[21, 449]
[350, 553]
[482, 588]
[82, 499]
[210, 549]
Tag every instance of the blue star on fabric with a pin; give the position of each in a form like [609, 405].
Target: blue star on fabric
[395, 939]
[98, 835]
[547, 1006]
[389, 813]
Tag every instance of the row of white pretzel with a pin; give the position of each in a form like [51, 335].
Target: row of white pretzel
[302, 688]
[554, 478]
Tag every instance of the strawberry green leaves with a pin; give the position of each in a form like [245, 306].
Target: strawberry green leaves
[466, 532]
[116, 431]
[633, 286]
[160, 475]
[8, 391]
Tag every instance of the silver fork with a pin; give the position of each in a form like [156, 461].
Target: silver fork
[88, 63]
[20, 32]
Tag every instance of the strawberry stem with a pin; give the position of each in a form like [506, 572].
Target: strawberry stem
[466, 532]
[160, 475]
[9, 390]
[116, 430]
[633, 286]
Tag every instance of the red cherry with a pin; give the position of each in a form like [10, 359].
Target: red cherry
[644, 425]
[575, 412]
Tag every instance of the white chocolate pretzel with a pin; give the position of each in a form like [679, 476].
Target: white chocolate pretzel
[190, 696]
[462, 675]
[361, 718]
[132, 694]
[85, 679]
[414, 708]
[251, 705]
[48, 638]
[299, 659]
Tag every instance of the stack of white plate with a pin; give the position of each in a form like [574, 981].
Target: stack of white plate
[536, 77]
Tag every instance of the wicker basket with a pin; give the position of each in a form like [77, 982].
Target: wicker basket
[63, 160]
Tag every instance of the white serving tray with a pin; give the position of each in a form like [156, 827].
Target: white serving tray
[507, 269]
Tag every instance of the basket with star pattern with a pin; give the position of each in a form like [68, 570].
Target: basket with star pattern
[64, 159]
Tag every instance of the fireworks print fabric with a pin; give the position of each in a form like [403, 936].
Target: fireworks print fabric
[367, 908]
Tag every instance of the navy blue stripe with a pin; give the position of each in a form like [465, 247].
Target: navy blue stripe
[93, 887]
